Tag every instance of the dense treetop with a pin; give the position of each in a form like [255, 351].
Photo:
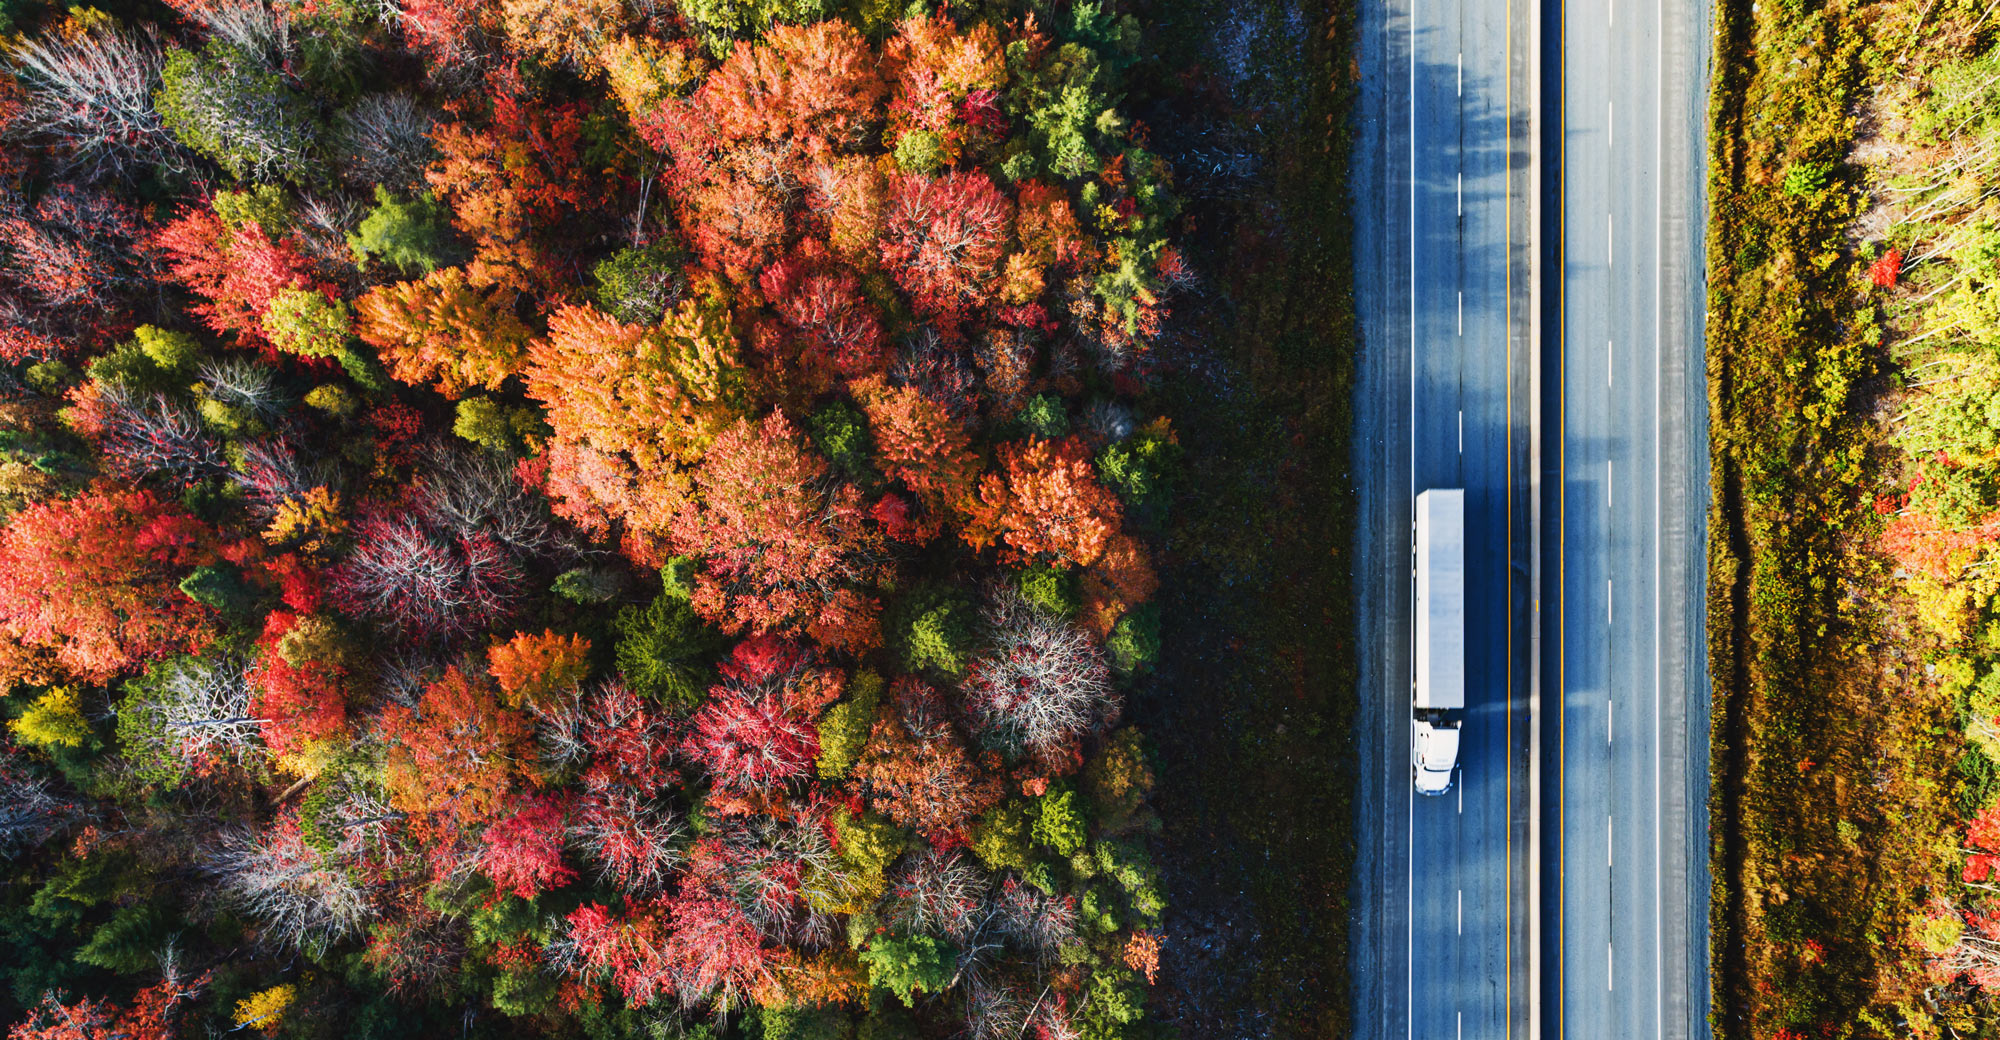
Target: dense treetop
[577, 516]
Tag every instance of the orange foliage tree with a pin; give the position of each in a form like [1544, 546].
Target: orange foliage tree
[947, 82]
[800, 97]
[442, 329]
[1045, 505]
[919, 442]
[512, 184]
[785, 546]
[458, 750]
[659, 395]
[530, 668]
[848, 195]
[808, 90]
[630, 407]
[916, 768]
[1120, 579]
[569, 31]
[606, 492]
[1047, 234]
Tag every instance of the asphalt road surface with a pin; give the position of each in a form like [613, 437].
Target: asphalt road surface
[1442, 247]
[1624, 638]
[1443, 231]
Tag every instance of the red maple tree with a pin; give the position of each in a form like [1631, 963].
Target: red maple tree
[835, 328]
[300, 700]
[449, 32]
[235, 270]
[523, 852]
[628, 741]
[786, 547]
[1886, 269]
[153, 1014]
[419, 580]
[634, 841]
[74, 248]
[943, 239]
[93, 579]
[626, 947]
[715, 952]
[756, 731]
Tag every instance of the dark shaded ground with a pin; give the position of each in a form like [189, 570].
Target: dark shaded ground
[1252, 708]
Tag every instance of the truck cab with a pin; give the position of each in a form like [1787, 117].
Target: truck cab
[1434, 756]
[1437, 688]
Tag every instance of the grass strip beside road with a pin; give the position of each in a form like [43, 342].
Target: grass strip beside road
[1827, 789]
[1254, 705]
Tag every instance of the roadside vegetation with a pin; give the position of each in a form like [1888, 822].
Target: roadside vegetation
[588, 518]
[1255, 696]
[1855, 379]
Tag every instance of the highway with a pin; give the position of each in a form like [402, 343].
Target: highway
[1625, 638]
[1442, 196]
[1573, 411]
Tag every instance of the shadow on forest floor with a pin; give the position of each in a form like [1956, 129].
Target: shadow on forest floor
[1253, 704]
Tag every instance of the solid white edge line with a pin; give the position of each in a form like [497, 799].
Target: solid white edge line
[1659, 516]
[1410, 835]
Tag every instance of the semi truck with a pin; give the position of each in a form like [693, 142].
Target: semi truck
[1437, 692]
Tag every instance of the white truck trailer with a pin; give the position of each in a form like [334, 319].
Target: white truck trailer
[1437, 696]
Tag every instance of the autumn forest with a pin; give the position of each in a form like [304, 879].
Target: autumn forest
[581, 517]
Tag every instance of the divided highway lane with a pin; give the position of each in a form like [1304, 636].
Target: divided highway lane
[1459, 844]
[1628, 773]
[1442, 401]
